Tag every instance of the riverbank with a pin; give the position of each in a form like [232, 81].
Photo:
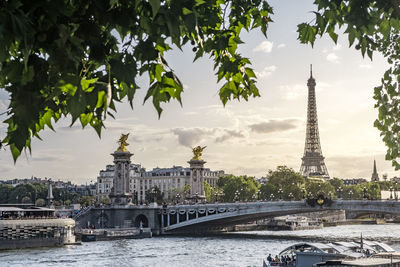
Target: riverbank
[355, 222]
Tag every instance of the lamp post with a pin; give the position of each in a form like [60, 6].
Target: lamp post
[291, 196]
[197, 197]
[364, 192]
[391, 190]
[309, 195]
[272, 197]
[303, 193]
[339, 190]
[280, 192]
[395, 191]
[258, 194]
[216, 197]
[330, 194]
[236, 197]
[351, 194]
[178, 198]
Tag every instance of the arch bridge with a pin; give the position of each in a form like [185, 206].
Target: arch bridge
[198, 217]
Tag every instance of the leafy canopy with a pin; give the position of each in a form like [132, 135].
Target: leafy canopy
[77, 58]
[371, 26]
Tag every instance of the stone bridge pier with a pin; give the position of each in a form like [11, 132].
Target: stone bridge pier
[121, 217]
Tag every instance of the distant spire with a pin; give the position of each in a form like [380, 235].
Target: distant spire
[311, 71]
[375, 176]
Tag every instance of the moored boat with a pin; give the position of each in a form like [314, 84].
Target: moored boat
[310, 254]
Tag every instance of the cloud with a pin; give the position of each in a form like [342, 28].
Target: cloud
[265, 46]
[332, 57]
[281, 45]
[191, 136]
[229, 134]
[267, 71]
[47, 159]
[274, 126]
[293, 91]
[366, 66]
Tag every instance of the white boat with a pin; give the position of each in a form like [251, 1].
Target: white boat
[308, 254]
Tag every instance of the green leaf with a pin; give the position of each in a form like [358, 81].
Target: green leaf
[15, 152]
[186, 11]
[85, 119]
[101, 98]
[85, 83]
[155, 6]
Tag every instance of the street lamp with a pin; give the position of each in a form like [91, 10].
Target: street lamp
[280, 192]
[391, 190]
[258, 194]
[364, 192]
[216, 196]
[291, 196]
[339, 190]
[303, 192]
[351, 194]
[272, 197]
[236, 197]
[197, 196]
[330, 194]
[178, 198]
[395, 191]
[309, 195]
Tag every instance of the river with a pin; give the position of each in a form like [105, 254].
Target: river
[231, 249]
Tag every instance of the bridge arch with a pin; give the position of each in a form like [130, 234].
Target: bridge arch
[141, 218]
[225, 214]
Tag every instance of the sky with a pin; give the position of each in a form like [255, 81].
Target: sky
[242, 138]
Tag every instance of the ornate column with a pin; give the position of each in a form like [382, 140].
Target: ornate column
[120, 194]
[196, 175]
[49, 195]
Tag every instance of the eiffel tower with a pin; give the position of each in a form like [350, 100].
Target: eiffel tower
[312, 161]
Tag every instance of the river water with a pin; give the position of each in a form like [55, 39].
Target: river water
[231, 249]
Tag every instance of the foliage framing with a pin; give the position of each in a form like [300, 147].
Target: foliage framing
[73, 57]
[373, 26]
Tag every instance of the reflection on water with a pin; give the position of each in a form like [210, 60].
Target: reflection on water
[232, 249]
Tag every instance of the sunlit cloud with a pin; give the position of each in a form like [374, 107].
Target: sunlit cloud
[332, 57]
[229, 134]
[291, 92]
[267, 71]
[190, 137]
[265, 46]
[274, 126]
[281, 45]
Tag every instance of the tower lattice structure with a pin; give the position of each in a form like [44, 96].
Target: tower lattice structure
[313, 163]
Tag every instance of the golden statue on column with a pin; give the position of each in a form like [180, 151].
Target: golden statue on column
[122, 143]
[198, 152]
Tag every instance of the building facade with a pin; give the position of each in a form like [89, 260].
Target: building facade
[170, 181]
